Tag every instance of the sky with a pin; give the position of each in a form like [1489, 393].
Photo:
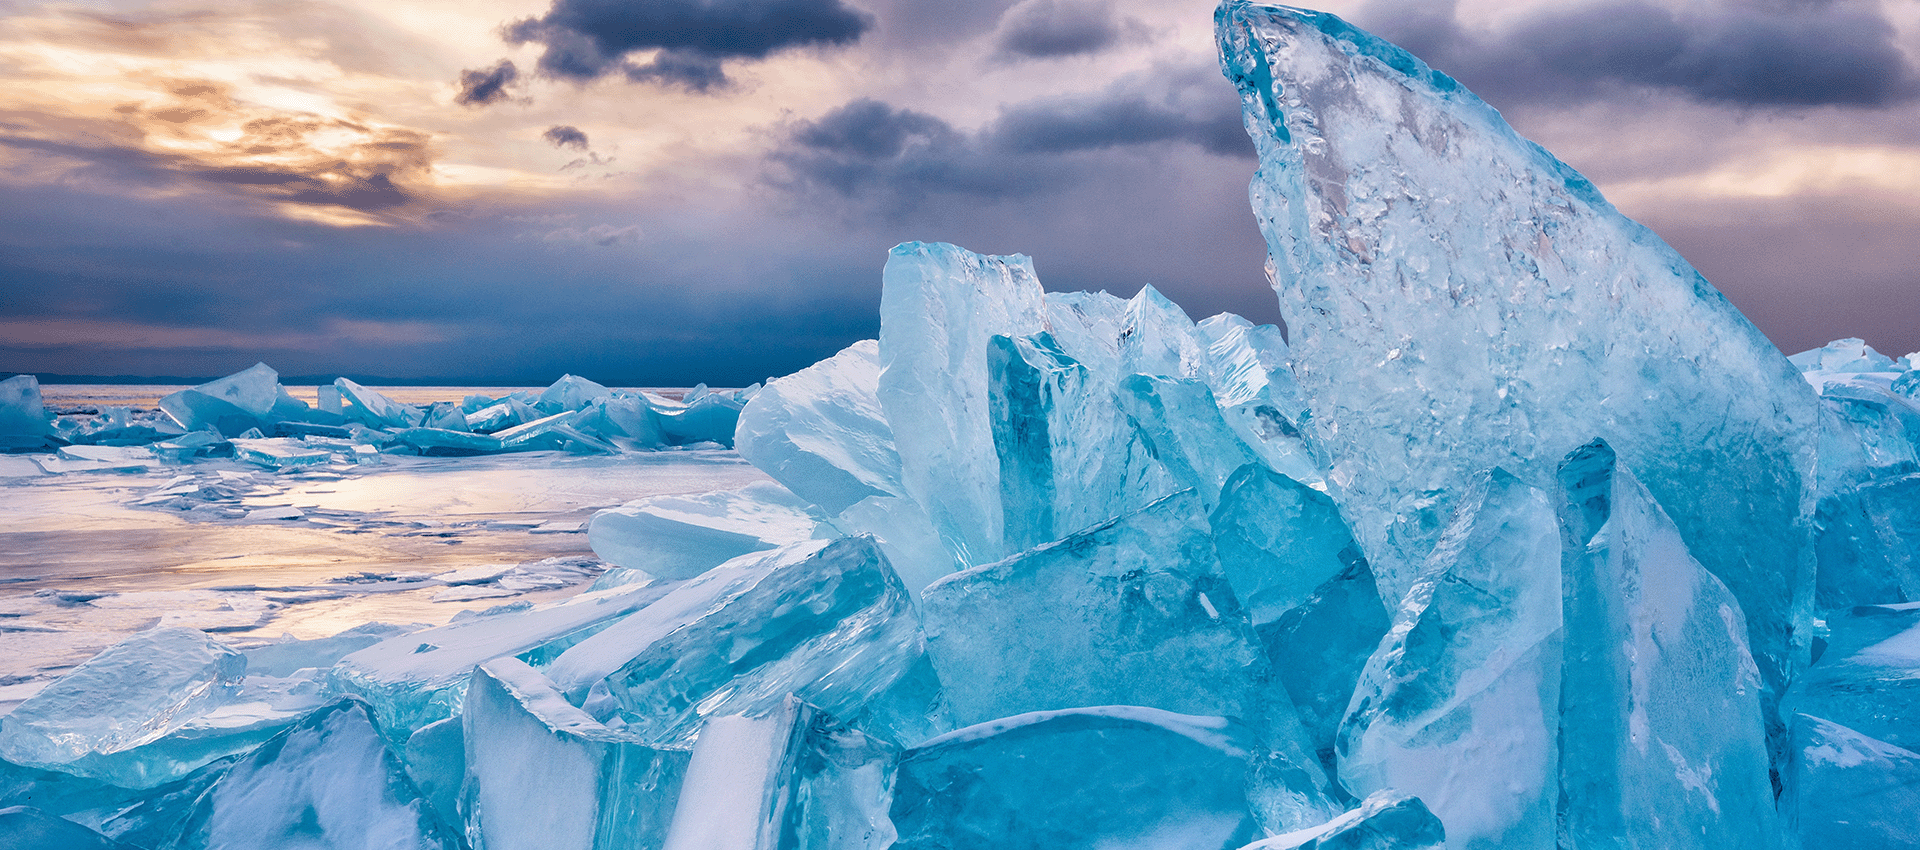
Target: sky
[664, 192]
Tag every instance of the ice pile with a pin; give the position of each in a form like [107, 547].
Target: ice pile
[1528, 541]
[250, 416]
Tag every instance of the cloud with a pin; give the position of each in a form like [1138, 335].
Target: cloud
[482, 86]
[589, 39]
[564, 136]
[1042, 29]
[1115, 119]
[868, 148]
[1743, 54]
[604, 235]
[203, 138]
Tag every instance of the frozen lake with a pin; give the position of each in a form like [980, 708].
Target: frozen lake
[84, 563]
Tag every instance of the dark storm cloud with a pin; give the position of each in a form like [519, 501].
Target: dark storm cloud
[588, 39]
[870, 148]
[1047, 28]
[564, 136]
[1114, 120]
[481, 86]
[1779, 55]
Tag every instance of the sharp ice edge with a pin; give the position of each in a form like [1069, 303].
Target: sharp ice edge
[1017, 508]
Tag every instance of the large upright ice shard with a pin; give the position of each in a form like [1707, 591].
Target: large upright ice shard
[1459, 705]
[939, 307]
[1458, 299]
[1660, 706]
[23, 416]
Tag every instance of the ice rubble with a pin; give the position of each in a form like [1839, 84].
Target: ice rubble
[251, 417]
[1071, 570]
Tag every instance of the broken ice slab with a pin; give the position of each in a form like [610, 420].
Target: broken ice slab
[280, 452]
[436, 760]
[288, 656]
[627, 421]
[373, 409]
[1181, 424]
[184, 447]
[1844, 355]
[1846, 791]
[1385, 820]
[571, 392]
[327, 783]
[737, 790]
[842, 788]
[541, 773]
[820, 431]
[1094, 777]
[121, 456]
[1457, 299]
[415, 679]
[1868, 540]
[1068, 457]
[24, 420]
[91, 721]
[1131, 612]
[939, 307]
[284, 512]
[682, 536]
[1868, 679]
[1278, 540]
[702, 417]
[1318, 648]
[28, 828]
[1660, 701]
[912, 545]
[1253, 384]
[1459, 705]
[441, 442]
[825, 620]
[230, 405]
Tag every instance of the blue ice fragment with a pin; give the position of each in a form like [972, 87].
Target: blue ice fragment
[826, 620]
[230, 405]
[28, 828]
[1278, 540]
[1459, 704]
[681, 536]
[1457, 299]
[370, 407]
[93, 721]
[842, 788]
[327, 783]
[1868, 679]
[1844, 355]
[1660, 707]
[1095, 777]
[571, 392]
[22, 413]
[939, 308]
[1317, 649]
[542, 774]
[1385, 820]
[1134, 611]
[1846, 791]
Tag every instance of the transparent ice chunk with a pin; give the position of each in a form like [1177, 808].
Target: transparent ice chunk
[328, 782]
[1278, 540]
[91, 721]
[22, 413]
[1660, 701]
[1385, 820]
[1868, 679]
[939, 307]
[1131, 612]
[826, 620]
[820, 431]
[1459, 705]
[1846, 791]
[230, 405]
[28, 828]
[1095, 777]
[682, 536]
[736, 792]
[543, 774]
[374, 409]
[418, 678]
[571, 392]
